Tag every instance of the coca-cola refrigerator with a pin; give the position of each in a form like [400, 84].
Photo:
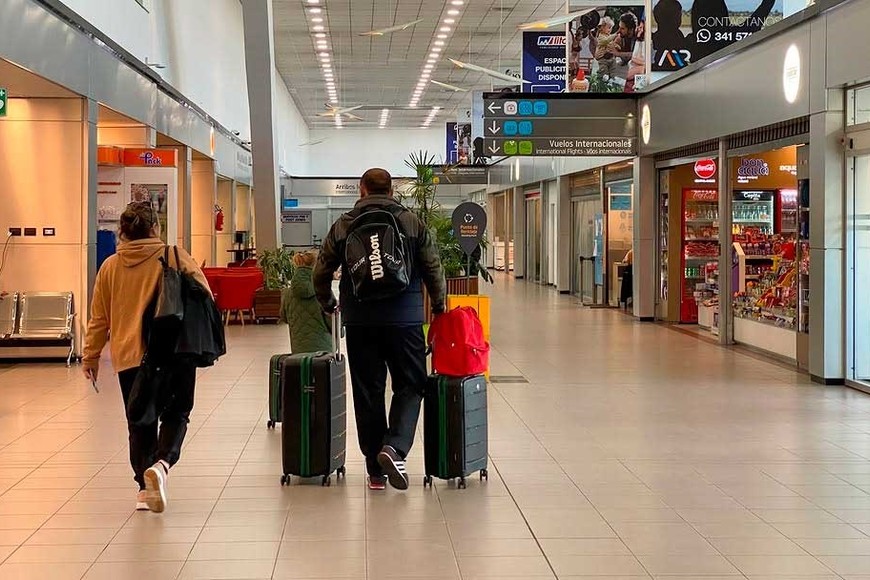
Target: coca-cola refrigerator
[700, 249]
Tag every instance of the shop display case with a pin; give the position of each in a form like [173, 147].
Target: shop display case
[753, 209]
[700, 248]
[803, 256]
[786, 211]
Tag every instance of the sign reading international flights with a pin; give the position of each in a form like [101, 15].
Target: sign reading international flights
[560, 125]
[544, 62]
[469, 225]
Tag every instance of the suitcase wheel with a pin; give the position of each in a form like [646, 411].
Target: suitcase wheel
[341, 471]
[484, 475]
[461, 484]
[285, 480]
[326, 481]
[270, 424]
[427, 481]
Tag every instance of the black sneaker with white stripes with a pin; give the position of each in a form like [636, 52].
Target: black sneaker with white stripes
[394, 467]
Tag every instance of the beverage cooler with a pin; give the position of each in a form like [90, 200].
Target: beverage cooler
[754, 210]
[700, 250]
[786, 211]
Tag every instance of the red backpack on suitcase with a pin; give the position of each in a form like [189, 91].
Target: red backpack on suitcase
[457, 343]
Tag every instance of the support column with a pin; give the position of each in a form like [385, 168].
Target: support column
[726, 320]
[827, 243]
[519, 219]
[91, 113]
[186, 193]
[259, 51]
[563, 240]
[645, 217]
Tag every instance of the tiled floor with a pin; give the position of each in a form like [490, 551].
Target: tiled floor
[633, 452]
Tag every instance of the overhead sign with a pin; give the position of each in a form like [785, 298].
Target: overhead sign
[4, 101]
[558, 125]
[544, 61]
[469, 225]
[461, 174]
[705, 168]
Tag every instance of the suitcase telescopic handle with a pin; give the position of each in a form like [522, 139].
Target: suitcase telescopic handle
[336, 332]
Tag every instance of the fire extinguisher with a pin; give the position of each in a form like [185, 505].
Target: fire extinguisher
[218, 218]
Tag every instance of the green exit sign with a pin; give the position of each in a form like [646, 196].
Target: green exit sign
[4, 101]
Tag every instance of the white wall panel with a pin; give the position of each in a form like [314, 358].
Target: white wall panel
[349, 152]
[848, 44]
[126, 22]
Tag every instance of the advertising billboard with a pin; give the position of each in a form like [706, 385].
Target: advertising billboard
[544, 60]
[607, 50]
[685, 31]
[458, 144]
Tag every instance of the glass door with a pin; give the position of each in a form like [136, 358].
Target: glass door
[583, 248]
[533, 239]
[859, 279]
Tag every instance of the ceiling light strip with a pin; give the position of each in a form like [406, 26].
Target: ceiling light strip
[450, 16]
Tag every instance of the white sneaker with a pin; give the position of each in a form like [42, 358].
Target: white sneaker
[155, 487]
[141, 504]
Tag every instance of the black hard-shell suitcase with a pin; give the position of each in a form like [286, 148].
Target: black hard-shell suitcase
[455, 428]
[275, 398]
[314, 427]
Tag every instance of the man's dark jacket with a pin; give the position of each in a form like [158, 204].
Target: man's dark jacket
[405, 309]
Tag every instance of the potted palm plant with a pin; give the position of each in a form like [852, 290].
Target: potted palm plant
[419, 194]
[277, 266]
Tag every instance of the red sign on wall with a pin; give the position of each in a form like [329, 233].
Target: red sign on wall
[705, 168]
[150, 158]
[702, 195]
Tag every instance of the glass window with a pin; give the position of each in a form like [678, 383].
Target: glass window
[858, 106]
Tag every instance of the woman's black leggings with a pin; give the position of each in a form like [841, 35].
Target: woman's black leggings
[148, 444]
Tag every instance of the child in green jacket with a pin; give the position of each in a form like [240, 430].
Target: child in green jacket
[310, 328]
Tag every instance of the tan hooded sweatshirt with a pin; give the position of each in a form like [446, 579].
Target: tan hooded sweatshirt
[125, 286]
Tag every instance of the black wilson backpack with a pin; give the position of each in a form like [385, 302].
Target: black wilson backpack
[376, 256]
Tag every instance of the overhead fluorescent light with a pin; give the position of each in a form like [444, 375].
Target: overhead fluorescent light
[391, 29]
[453, 88]
[554, 21]
[489, 72]
[453, 12]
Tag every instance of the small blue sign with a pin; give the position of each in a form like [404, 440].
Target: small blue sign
[541, 108]
[290, 204]
[526, 128]
[526, 109]
[510, 128]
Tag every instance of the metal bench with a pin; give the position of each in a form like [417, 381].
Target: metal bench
[37, 325]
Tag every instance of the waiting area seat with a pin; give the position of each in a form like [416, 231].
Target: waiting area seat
[37, 325]
[234, 290]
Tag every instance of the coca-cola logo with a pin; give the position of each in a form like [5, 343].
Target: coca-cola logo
[705, 168]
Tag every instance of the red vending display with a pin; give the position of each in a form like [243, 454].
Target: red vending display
[700, 230]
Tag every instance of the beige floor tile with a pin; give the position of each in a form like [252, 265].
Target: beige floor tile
[139, 534]
[816, 530]
[848, 565]
[504, 566]
[234, 551]
[839, 547]
[584, 547]
[134, 571]
[80, 553]
[757, 547]
[43, 571]
[323, 566]
[227, 570]
[489, 547]
[297, 550]
[779, 565]
[596, 565]
[145, 553]
[411, 559]
[694, 565]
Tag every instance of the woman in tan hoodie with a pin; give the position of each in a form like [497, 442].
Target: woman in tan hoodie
[126, 286]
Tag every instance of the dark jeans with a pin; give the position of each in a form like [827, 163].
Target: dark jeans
[371, 351]
[148, 444]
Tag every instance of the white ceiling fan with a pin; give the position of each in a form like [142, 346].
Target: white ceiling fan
[554, 21]
[341, 112]
[392, 29]
[453, 88]
[489, 72]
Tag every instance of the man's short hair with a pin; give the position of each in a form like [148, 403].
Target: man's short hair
[377, 181]
[629, 19]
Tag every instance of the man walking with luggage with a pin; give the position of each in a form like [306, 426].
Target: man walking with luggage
[386, 255]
